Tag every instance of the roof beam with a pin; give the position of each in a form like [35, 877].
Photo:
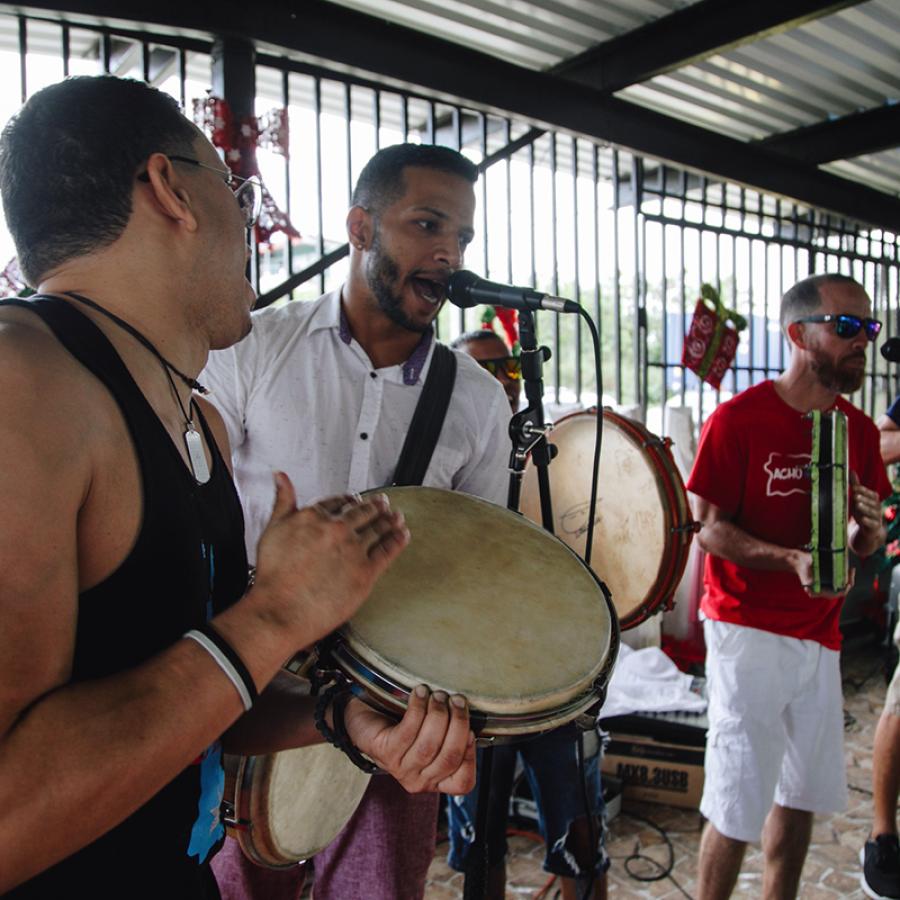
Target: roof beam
[687, 36]
[862, 132]
[318, 29]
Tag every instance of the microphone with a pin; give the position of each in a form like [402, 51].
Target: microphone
[890, 349]
[465, 289]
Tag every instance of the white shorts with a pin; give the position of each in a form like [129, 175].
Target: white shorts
[776, 728]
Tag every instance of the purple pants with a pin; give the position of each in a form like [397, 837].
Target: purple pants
[383, 853]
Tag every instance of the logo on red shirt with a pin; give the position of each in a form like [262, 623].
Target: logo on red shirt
[787, 474]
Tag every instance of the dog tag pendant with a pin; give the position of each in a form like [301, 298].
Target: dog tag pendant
[196, 455]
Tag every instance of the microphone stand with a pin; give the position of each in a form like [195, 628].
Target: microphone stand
[528, 429]
[528, 432]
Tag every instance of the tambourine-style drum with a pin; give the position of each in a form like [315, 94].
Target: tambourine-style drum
[643, 526]
[829, 496]
[287, 806]
[483, 603]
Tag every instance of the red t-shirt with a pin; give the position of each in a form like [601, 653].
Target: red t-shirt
[750, 463]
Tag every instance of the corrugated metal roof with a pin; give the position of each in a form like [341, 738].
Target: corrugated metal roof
[817, 71]
[537, 34]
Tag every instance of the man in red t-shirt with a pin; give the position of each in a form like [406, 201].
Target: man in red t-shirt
[774, 753]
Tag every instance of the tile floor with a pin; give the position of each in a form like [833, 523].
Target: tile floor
[832, 868]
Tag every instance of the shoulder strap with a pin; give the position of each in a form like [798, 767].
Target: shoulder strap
[428, 419]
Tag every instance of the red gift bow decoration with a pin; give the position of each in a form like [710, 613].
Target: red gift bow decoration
[712, 340]
[240, 140]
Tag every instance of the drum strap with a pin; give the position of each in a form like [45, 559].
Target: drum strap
[428, 419]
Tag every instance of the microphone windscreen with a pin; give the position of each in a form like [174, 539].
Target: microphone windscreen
[459, 288]
[890, 349]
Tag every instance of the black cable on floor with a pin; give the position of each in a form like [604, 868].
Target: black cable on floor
[665, 871]
[859, 790]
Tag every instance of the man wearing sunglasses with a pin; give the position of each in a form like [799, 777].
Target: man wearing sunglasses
[488, 349]
[327, 391]
[132, 648]
[774, 753]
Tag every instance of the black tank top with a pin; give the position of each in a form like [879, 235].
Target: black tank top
[187, 564]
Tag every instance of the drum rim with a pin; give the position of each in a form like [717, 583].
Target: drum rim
[392, 698]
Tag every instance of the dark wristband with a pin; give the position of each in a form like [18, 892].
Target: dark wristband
[232, 656]
[338, 696]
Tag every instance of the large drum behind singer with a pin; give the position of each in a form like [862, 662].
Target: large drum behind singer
[643, 527]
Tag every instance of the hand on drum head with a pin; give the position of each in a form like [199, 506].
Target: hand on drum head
[316, 566]
[430, 749]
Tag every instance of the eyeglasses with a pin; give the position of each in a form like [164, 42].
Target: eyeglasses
[247, 191]
[508, 364]
[847, 326]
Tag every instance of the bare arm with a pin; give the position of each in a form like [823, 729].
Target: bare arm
[720, 537]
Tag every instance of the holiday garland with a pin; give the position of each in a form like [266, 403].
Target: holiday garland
[240, 139]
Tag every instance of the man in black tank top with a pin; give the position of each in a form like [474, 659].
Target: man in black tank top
[132, 650]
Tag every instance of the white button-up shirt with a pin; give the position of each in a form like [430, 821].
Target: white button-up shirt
[299, 394]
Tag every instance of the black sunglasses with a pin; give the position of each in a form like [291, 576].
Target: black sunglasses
[847, 326]
[508, 364]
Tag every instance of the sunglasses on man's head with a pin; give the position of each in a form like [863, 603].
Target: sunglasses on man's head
[508, 364]
[847, 326]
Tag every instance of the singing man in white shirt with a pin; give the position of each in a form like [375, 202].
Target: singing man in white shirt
[325, 391]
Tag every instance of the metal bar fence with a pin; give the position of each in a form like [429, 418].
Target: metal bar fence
[628, 237]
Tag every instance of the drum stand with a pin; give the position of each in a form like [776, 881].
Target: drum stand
[528, 432]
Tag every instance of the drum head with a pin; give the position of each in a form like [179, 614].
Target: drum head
[632, 530]
[484, 603]
[298, 802]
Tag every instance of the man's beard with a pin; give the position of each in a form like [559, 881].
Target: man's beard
[835, 378]
[382, 275]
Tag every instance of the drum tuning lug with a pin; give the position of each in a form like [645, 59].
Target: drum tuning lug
[688, 528]
[587, 721]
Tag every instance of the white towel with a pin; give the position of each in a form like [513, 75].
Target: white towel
[648, 681]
